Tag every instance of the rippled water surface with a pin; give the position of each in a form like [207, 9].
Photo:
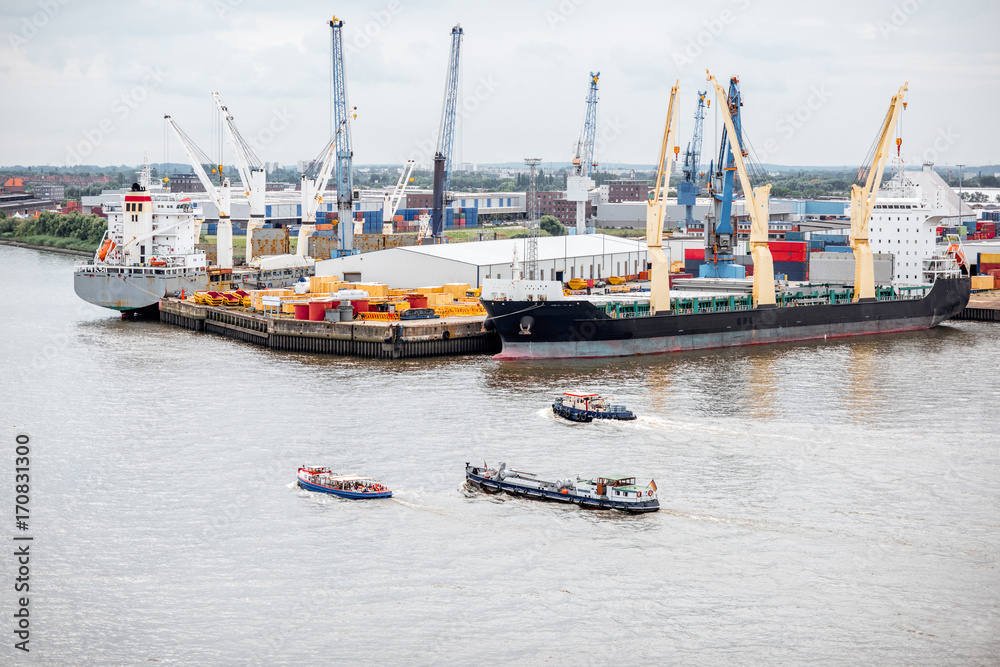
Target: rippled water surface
[823, 503]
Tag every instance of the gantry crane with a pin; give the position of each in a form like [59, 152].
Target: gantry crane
[251, 171]
[720, 235]
[688, 189]
[863, 201]
[659, 279]
[446, 136]
[220, 196]
[579, 183]
[756, 199]
[342, 140]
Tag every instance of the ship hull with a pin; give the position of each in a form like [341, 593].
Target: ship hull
[603, 503]
[127, 293]
[578, 329]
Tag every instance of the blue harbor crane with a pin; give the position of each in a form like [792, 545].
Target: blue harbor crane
[720, 236]
[579, 183]
[688, 189]
[446, 137]
[585, 147]
[342, 141]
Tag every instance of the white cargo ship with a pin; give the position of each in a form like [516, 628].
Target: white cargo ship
[147, 253]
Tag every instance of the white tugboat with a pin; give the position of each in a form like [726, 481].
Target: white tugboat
[147, 253]
[618, 492]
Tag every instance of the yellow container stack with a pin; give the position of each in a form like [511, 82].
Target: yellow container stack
[982, 282]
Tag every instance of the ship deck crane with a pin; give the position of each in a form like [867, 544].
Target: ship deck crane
[446, 136]
[393, 199]
[688, 189]
[251, 172]
[342, 118]
[863, 201]
[720, 235]
[756, 200]
[659, 279]
[579, 183]
[311, 190]
[220, 196]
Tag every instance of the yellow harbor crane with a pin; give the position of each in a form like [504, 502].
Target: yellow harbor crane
[756, 204]
[659, 275]
[863, 201]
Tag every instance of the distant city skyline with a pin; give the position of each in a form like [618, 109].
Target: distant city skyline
[85, 86]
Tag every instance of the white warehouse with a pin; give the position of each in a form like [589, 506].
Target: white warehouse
[559, 258]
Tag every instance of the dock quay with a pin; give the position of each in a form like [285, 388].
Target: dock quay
[370, 339]
[983, 307]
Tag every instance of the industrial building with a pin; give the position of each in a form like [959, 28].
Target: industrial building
[559, 258]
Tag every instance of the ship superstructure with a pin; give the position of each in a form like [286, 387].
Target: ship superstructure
[148, 251]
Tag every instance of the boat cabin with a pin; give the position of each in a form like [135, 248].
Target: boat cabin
[580, 401]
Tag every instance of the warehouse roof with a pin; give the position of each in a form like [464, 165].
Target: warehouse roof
[549, 247]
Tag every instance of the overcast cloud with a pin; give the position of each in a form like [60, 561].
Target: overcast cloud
[89, 82]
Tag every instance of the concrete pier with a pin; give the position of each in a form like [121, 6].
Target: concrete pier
[376, 340]
[983, 307]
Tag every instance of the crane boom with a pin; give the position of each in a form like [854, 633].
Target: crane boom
[393, 199]
[863, 201]
[579, 183]
[342, 139]
[191, 150]
[756, 203]
[659, 288]
[446, 134]
[312, 190]
[220, 197]
[248, 165]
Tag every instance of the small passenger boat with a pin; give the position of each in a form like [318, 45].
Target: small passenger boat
[588, 407]
[324, 480]
[618, 492]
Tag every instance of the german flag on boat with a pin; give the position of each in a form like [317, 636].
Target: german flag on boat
[652, 483]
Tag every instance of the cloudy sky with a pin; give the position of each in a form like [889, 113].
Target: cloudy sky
[87, 82]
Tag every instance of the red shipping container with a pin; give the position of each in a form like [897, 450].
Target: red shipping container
[986, 268]
[784, 256]
[749, 268]
[793, 246]
[694, 253]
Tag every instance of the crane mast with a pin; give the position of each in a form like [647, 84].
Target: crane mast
[659, 279]
[220, 196]
[863, 201]
[446, 135]
[579, 184]
[342, 141]
[688, 189]
[251, 172]
[756, 198]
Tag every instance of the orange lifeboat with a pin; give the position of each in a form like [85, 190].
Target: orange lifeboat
[106, 247]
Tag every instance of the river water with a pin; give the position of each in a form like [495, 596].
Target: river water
[829, 503]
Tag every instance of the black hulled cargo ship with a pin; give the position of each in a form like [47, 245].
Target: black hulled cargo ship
[579, 328]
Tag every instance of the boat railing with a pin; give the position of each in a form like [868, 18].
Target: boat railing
[721, 304]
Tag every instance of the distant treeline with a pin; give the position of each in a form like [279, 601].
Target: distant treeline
[73, 230]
